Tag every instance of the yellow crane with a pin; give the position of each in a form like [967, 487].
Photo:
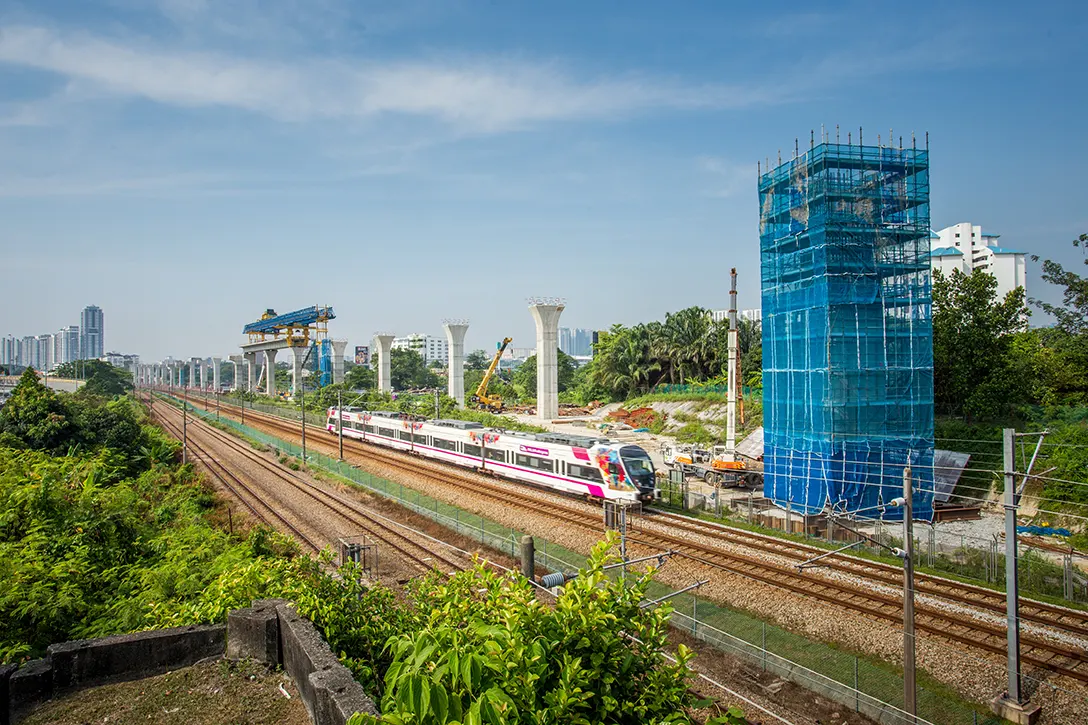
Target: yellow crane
[481, 399]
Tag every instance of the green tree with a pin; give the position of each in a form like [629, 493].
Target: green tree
[974, 373]
[524, 379]
[477, 360]
[102, 378]
[1072, 314]
[36, 417]
[408, 370]
[361, 377]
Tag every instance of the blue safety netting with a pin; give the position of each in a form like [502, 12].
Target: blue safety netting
[847, 330]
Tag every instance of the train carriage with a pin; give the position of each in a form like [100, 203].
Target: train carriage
[573, 464]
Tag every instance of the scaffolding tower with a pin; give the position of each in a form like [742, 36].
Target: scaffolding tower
[847, 329]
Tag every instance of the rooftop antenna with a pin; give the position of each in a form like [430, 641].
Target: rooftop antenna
[860, 141]
[796, 146]
[759, 171]
[812, 138]
[836, 133]
[927, 140]
[849, 141]
[891, 138]
[823, 134]
[900, 142]
[878, 140]
[779, 157]
[913, 144]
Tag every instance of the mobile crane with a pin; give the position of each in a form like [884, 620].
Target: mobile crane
[481, 400]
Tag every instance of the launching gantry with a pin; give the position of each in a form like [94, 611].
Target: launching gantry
[304, 332]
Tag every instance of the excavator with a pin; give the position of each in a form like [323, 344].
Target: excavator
[481, 400]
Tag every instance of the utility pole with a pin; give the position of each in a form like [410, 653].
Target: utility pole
[340, 421]
[302, 402]
[437, 395]
[185, 427]
[216, 406]
[909, 687]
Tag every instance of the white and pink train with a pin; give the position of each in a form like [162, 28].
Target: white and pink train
[572, 464]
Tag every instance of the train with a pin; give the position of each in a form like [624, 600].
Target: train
[580, 465]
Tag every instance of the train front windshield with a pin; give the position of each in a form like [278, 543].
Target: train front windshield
[640, 469]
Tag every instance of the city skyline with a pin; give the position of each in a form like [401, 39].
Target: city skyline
[47, 350]
[604, 156]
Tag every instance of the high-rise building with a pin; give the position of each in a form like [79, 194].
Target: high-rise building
[966, 247]
[577, 342]
[847, 329]
[9, 351]
[429, 347]
[30, 357]
[45, 352]
[92, 327]
[69, 345]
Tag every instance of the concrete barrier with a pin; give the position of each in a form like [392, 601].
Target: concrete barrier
[327, 688]
[270, 631]
[88, 662]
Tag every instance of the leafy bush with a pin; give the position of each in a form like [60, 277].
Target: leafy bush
[488, 651]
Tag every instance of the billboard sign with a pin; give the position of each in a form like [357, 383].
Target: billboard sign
[362, 355]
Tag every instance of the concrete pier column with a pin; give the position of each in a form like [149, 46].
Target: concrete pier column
[239, 372]
[546, 317]
[338, 347]
[270, 372]
[202, 369]
[455, 336]
[251, 372]
[217, 362]
[298, 355]
[384, 344]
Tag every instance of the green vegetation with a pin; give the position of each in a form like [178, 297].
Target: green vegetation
[688, 347]
[484, 649]
[102, 378]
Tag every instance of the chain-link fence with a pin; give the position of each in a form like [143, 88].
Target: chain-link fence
[1046, 573]
[872, 687]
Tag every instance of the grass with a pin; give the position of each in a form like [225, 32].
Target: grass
[217, 692]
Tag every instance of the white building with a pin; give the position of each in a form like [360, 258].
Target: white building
[429, 347]
[121, 360]
[966, 247]
[755, 315]
[68, 345]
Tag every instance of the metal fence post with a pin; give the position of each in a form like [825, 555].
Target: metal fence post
[763, 644]
[857, 692]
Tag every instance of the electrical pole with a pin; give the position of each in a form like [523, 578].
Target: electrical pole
[217, 406]
[1012, 582]
[340, 420]
[302, 402]
[909, 687]
[185, 427]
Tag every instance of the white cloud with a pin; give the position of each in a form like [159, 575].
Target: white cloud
[728, 177]
[491, 95]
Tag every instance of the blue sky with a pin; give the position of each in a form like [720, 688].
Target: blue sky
[186, 163]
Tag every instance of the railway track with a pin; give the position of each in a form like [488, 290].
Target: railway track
[1066, 659]
[424, 556]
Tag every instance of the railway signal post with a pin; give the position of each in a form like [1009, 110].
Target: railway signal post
[340, 421]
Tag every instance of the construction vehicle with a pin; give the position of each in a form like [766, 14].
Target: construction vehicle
[717, 466]
[481, 400]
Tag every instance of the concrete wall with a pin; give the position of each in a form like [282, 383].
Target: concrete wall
[270, 631]
[88, 662]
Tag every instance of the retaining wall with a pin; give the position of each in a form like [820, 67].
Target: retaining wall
[270, 631]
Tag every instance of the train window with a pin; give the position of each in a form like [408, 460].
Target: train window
[387, 432]
[405, 435]
[332, 422]
[368, 428]
[586, 473]
[534, 462]
[471, 450]
[495, 454]
[444, 444]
